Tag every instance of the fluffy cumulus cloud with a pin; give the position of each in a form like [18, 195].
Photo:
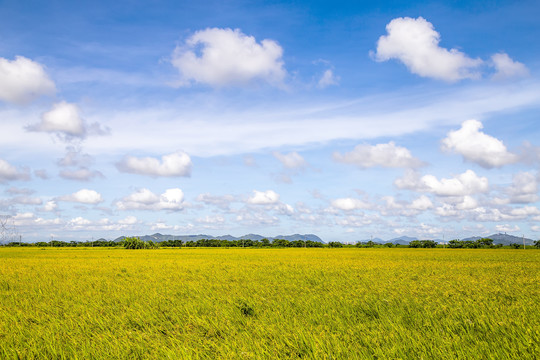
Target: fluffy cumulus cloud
[223, 57]
[22, 80]
[268, 197]
[467, 183]
[83, 196]
[291, 160]
[9, 172]
[478, 147]
[505, 67]
[65, 120]
[383, 155]
[349, 204]
[415, 43]
[144, 199]
[172, 165]
[422, 203]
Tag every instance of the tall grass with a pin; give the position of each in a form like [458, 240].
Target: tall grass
[269, 303]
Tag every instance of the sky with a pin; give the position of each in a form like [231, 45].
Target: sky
[342, 119]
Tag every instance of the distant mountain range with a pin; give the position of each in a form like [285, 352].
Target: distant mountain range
[157, 237]
[504, 239]
[500, 238]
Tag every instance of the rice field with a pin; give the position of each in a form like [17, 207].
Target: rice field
[88, 303]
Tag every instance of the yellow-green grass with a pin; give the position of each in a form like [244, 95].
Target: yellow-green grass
[85, 303]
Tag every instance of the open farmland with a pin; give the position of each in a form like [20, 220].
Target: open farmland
[83, 303]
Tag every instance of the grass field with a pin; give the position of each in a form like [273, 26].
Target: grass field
[84, 303]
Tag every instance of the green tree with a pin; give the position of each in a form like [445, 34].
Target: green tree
[137, 243]
[486, 242]
[335, 244]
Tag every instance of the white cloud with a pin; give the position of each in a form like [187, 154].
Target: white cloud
[222, 202]
[284, 209]
[211, 220]
[384, 155]
[256, 218]
[50, 206]
[26, 200]
[42, 174]
[22, 80]
[505, 67]
[75, 157]
[64, 120]
[467, 203]
[457, 207]
[421, 203]
[354, 221]
[9, 172]
[19, 191]
[250, 161]
[415, 43]
[349, 204]
[222, 57]
[328, 79]
[264, 197]
[524, 188]
[128, 220]
[478, 147]
[506, 228]
[27, 219]
[83, 196]
[467, 183]
[83, 174]
[144, 199]
[270, 123]
[78, 222]
[172, 165]
[292, 160]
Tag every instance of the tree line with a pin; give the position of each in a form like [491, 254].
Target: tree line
[137, 243]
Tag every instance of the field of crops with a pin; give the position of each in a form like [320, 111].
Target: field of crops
[84, 303]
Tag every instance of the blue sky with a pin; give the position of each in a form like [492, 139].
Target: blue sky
[343, 119]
